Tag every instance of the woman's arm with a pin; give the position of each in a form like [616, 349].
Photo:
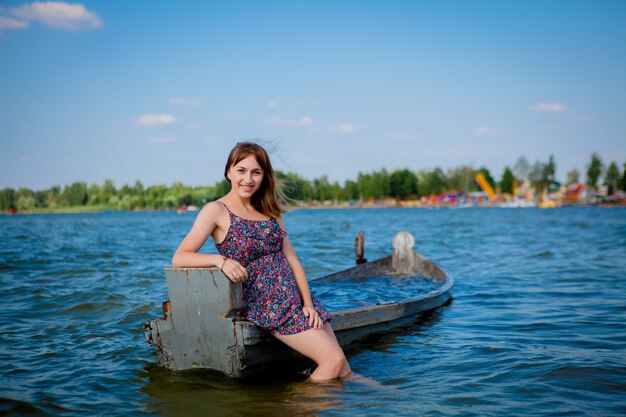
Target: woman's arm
[301, 281]
[187, 256]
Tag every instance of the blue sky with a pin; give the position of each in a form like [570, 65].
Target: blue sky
[160, 91]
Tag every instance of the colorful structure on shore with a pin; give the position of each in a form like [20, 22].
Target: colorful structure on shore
[485, 186]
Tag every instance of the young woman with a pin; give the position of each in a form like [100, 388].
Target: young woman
[254, 249]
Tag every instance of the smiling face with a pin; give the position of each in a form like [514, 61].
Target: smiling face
[246, 176]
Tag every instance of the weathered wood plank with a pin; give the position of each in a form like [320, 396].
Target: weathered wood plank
[199, 332]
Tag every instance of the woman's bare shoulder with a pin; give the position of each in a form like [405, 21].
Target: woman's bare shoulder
[215, 206]
[212, 210]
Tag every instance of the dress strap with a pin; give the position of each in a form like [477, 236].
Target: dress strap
[217, 201]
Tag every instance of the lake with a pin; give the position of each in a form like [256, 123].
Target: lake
[536, 326]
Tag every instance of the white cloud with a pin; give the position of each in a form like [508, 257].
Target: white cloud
[271, 104]
[59, 15]
[344, 128]
[186, 101]
[301, 122]
[7, 23]
[489, 131]
[150, 119]
[550, 107]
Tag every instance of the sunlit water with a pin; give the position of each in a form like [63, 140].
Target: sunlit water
[536, 326]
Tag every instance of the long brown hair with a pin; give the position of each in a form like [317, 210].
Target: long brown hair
[269, 199]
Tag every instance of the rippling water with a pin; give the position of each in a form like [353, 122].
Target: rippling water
[536, 326]
[341, 295]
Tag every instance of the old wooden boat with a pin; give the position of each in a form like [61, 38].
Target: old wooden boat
[202, 328]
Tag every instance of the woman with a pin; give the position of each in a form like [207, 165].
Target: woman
[254, 249]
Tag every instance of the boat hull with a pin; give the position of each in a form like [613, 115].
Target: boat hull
[201, 327]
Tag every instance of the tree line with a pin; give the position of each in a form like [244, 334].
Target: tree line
[399, 184]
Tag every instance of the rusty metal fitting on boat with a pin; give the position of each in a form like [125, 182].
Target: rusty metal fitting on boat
[359, 248]
[167, 308]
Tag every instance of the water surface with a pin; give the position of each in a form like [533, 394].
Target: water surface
[536, 326]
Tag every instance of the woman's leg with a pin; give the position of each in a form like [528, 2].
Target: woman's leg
[345, 370]
[321, 347]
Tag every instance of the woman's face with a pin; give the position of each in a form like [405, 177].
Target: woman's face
[246, 176]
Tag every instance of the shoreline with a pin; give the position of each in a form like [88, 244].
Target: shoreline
[346, 206]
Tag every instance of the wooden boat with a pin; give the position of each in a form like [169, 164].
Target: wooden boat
[202, 328]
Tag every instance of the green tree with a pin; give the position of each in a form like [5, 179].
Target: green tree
[295, 187]
[155, 196]
[594, 170]
[95, 195]
[126, 190]
[375, 185]
[336, 191]
[125, 201]
[322, 189]
[304, 188]
[222, 188]
[351, 190]
[506, 183]
[25, 199]
[202, 194]
[76, 194]
[170, 202]
[422, 180]
[573, 177]
[403, 183]
[7, 199]
[108, 192]
[434, 182]
[460, 178]
[548, 176]
[41, 198]
[54, 199]
[366, 186]
[612, 177]
[623, 181]
[549, 171]
[138, 189]
[138, 192]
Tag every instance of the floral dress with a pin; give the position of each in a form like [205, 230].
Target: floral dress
[271, 299]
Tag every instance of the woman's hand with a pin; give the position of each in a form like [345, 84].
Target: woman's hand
[234, 271]
[314, 319]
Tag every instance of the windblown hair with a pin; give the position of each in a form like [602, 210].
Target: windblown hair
[269, 199]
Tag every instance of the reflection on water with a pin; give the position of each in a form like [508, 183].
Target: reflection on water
[201, 393]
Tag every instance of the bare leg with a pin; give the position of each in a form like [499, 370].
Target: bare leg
[321, 347]
[345, 370]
